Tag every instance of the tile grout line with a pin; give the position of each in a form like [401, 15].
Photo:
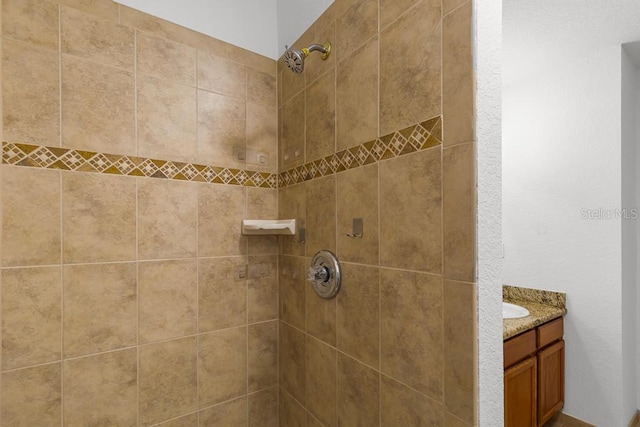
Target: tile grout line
[61, 266]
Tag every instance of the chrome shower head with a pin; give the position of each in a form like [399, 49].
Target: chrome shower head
[295, 58]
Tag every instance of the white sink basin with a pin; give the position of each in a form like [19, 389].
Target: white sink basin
[513, 311]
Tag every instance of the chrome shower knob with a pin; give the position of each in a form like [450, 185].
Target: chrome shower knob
[325, 274]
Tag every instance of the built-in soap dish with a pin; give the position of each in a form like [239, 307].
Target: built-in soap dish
[262, 227]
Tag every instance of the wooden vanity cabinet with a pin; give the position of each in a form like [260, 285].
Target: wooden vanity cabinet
[534, 375]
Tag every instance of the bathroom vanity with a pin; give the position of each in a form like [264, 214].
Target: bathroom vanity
[534, 359]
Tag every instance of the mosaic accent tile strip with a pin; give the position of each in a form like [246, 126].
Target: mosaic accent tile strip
[40, 156]
[414, 138]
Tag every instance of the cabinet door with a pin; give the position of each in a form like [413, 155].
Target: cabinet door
[550, 381]
[520, 394]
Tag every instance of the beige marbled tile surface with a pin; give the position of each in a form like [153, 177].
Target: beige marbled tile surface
[543, 307]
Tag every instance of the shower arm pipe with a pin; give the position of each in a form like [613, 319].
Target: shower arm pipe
[325, 49]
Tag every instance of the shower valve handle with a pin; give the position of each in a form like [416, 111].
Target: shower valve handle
[318, 273]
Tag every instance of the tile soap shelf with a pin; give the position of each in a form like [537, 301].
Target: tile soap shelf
[261, 227]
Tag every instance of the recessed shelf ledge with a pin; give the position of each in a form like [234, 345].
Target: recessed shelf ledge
[281, 227]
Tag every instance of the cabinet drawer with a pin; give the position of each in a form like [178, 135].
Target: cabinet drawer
[519, 347]
[550, 332]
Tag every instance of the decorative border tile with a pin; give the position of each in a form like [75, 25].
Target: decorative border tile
[424, 135]
[414, 138]
[40, 156]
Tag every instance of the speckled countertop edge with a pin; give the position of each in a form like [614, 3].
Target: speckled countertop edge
[543, 306]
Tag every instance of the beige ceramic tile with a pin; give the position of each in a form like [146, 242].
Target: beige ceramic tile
[31, 216]
[292, 363]
[358, 394]
[452, 421]
[98, 107]
[292, 205]
[457, 77]
[320, 313]
[321, 381]
[314, 65]
[222, 366]
[165, 58]
[167, 304]
[98, 40]
[100, 304]
[411, 330]
[31, 316]
[222, 298]
[390, 10]
[459, 216]
[262, 203]
[261, 88]
[221, 209]
[449, 5]
[98, 218]
[402, 406]
[321, 205]
[321, 117]
[101, 389]
[167, 219]
[292, 133]
[459, 349]
[357, 96]
[262, 288]
[167, 120]
[190, 420]
[411, 215]
[410, 88]
[291, 413]
[228, 414]
[168, 383]
[313, 421]
[31, 21]
[263, 355]
[358, 313]
[30, 94]
[263, 408]
[262, 136]
[221, 129]
[32, 396]
[292, 285]
[357, 25]
[357, 197]
[220, 75]
[103, 9]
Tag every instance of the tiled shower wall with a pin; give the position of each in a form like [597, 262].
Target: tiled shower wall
[382, 130]
[128, 299]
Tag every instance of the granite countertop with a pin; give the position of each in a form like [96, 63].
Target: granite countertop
[543, 306]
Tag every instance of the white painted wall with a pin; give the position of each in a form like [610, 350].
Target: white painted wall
[487, 57]
[638, 234]
[261, 26]
[630, 263]
[295, 16]
[562, 153]
[250, 24]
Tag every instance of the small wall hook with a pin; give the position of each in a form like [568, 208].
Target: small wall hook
[302, 235]
[358, 228]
